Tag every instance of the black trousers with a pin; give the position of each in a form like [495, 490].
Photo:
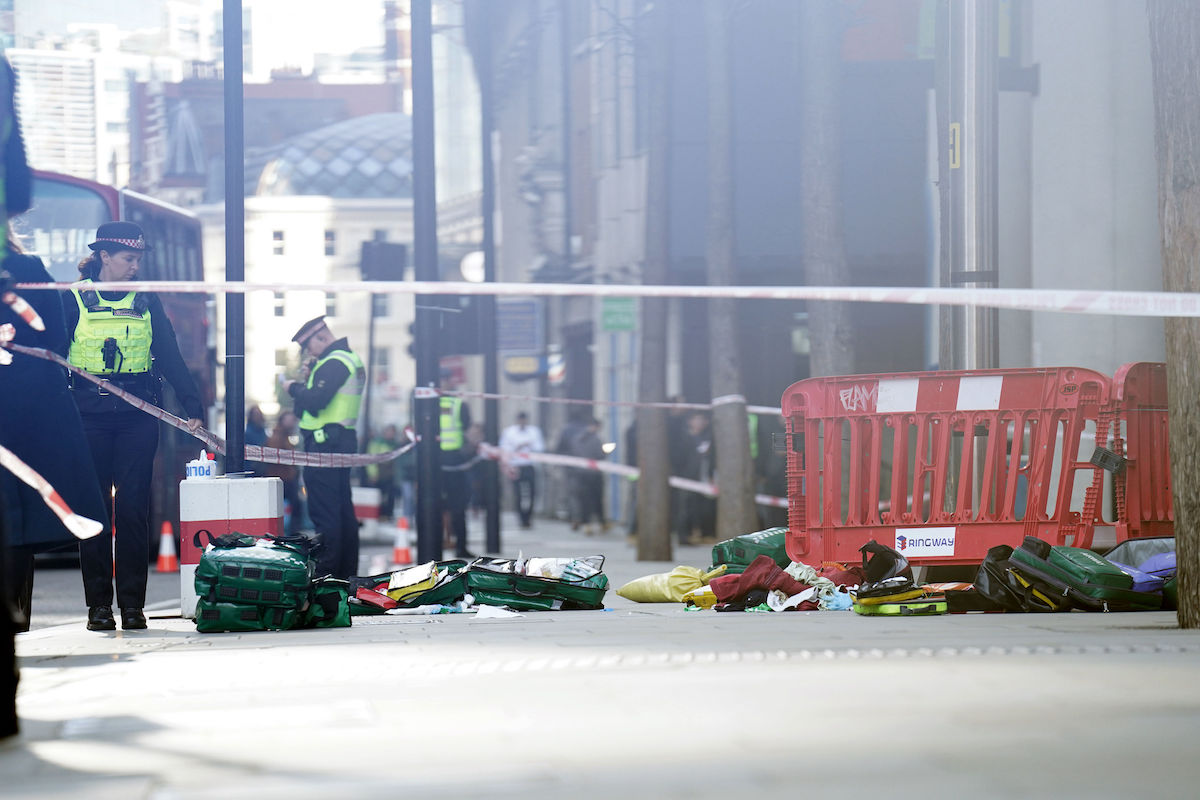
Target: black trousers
[123, 445]
[456, 496]
[525, 488]
[331, 509]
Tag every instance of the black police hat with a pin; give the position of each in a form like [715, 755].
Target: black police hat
[119, 236]
[308, 329]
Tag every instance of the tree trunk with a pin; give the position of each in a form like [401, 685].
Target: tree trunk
[1175, 61]
[731, 436]
[824, 254]
[653, 495]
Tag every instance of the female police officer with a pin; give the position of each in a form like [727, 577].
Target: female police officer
[126, 339]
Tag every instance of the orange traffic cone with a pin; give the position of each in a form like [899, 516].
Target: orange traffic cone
[401, 552]
[168, 560]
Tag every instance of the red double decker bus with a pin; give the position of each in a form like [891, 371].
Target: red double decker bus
[63, 220]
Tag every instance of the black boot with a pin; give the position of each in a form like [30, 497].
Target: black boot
[132, 619]
[100, 618]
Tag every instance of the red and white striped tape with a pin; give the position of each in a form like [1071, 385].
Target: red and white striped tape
[81, 527]
[23, 310]
[626, 471]
[1071, 301]
[429, 392]
[216, 444]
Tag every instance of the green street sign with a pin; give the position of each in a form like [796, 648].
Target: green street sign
[617, 314]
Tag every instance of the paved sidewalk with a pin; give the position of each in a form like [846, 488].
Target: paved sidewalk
[633, 701]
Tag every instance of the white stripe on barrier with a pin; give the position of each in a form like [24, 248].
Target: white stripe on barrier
[1110, 303]
[979, 392]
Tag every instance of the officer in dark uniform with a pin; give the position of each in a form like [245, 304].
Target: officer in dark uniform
[328, 402]
[127, 339]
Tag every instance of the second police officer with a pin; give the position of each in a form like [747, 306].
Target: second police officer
[328, 402]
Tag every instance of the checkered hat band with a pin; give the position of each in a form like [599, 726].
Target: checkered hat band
[139, 242]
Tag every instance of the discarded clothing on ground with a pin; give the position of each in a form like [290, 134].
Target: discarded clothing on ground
[762, 574]
[669, 587]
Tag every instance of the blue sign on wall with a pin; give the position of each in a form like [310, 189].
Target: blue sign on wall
[519, 325]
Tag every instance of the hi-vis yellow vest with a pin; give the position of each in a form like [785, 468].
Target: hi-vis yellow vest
[450, 424]
[343, 408]
[125, 321]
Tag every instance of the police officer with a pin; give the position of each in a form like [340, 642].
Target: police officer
[453, 422]
[127, 339]
[328, 403]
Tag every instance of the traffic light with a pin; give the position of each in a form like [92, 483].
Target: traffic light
[412, 339]
[383, 261]
[458, 323]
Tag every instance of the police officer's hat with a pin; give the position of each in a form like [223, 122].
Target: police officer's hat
[120, 236]
[308, 329]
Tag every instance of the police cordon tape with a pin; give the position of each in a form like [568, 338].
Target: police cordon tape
[1070, 301]
[271, 455]
[23, 310]
[81, 527]
[428, 392]
[266, 455]
[687, 484]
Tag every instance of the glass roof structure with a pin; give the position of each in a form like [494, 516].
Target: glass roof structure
[361, 157]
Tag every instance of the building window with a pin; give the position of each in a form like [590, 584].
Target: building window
[281, 358]
[330, 304]
[330, 243]
[381, 358]
[380, 307]
[280, 306]
[277, 239]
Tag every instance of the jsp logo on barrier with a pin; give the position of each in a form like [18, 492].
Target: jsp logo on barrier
[917, 542]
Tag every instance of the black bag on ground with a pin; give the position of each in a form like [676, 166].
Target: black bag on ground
[996, 584]
[887, 572]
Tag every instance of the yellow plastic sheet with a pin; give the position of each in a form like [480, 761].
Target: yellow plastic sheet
[668, 587]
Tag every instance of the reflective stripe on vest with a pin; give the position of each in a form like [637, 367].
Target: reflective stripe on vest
[343, 408]
[451, 423]
[128, 327]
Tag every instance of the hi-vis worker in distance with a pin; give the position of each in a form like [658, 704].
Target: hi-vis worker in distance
[127, 339]
[327, 398]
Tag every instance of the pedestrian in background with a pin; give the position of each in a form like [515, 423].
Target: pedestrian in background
[406, 478]
[454, 419]
[518, 442]
[590, 483]
[382, 476]
[328, 402]
[285, 436]
[256, 436]
[126, 339]
[565, 446]
[700, 510]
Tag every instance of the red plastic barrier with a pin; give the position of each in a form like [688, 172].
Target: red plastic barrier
[1142, 482]
[944, 465]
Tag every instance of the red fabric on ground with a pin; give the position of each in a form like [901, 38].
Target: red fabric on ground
[763, 573]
